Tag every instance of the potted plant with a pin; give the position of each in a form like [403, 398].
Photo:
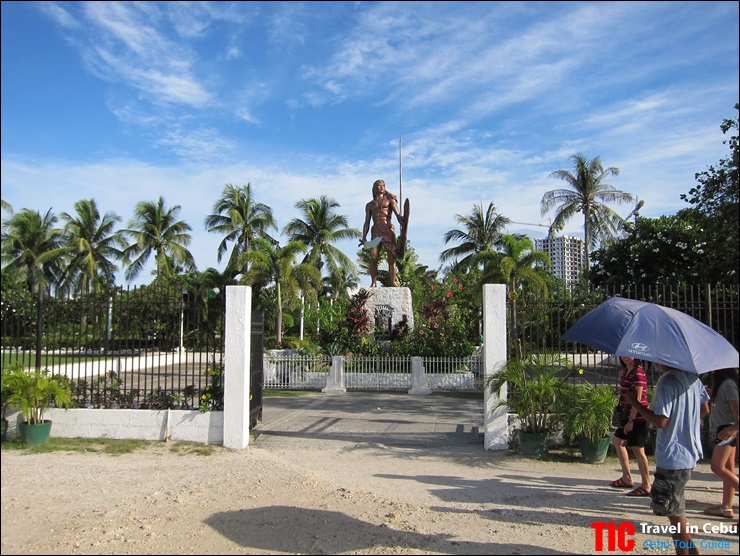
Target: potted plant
[536, 386]
[32, 392]
[588, 416]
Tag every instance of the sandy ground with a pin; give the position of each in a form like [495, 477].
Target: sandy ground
[330, 497]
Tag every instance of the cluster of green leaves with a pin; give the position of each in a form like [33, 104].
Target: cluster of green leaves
[17, 311]
[446, 325]
[664, 250]
[700, 244]
[537, 389]
[103, 391]
[353, 333]
[108, 390]
[447, 317]
[589, 411]
[33, 391]
[715, 199]
[212, 397]
[143, 318]
[717, 185]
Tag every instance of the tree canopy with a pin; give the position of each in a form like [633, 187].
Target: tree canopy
[696, 245]
[589, 195]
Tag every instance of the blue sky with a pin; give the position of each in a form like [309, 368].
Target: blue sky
[129, 101]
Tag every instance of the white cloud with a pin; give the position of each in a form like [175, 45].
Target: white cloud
[60, 15]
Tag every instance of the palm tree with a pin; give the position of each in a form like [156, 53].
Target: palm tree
[211, 278]
[272, 264]
[155, 229]
[339, 286]
[515, 266]
[481, 231]
[34, 248]
[588, 195]
[384, 277]
[7, 207]
[320, 228]
[241, 219]
[94, 243]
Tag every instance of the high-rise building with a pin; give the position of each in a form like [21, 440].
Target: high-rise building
[567, 255]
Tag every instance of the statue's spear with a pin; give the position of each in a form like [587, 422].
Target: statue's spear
[400, 173]
[405, 209]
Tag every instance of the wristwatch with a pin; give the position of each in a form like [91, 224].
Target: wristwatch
[630, 419]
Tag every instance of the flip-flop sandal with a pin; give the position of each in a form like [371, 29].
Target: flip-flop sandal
[719, 511]
[639, 491]
[621, 483]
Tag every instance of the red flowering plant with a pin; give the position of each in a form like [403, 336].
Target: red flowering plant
[442, 329]
[358, 320]
[352, 334]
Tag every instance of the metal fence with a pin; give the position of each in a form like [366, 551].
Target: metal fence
[536, 325]
[142, 347]
[154, 347]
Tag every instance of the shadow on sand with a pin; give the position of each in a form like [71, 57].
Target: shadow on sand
[291, 530]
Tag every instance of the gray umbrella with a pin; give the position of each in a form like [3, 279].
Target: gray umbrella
[654, 333]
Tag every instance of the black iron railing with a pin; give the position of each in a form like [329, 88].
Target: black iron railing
[142, 347]
[161, 348]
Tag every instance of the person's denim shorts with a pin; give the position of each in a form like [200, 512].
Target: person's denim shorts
[667, 491]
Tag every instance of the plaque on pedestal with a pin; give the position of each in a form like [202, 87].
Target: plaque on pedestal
[387, 306]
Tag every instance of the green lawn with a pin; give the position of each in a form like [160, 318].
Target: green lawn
[48, 360]
[267, 393]
[110, 446]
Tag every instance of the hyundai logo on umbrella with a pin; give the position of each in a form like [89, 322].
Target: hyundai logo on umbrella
[640, 347]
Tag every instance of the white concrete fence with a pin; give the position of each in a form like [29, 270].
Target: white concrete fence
[288, 370]
[230, 427]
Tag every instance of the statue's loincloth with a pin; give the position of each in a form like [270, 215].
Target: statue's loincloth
[387, 233]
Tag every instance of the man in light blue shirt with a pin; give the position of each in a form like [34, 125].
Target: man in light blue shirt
[679, 403]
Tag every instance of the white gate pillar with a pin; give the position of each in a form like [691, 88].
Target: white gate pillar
[495, 419]
[419, 382]
[335, 378]
[237, 363]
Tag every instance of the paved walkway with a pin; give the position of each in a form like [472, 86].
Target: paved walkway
[392, 419]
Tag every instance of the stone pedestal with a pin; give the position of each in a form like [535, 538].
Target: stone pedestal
[389, 305]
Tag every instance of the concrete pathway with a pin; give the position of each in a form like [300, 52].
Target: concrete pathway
[391, 419]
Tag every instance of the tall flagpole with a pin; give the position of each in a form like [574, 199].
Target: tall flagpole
[400, 173]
